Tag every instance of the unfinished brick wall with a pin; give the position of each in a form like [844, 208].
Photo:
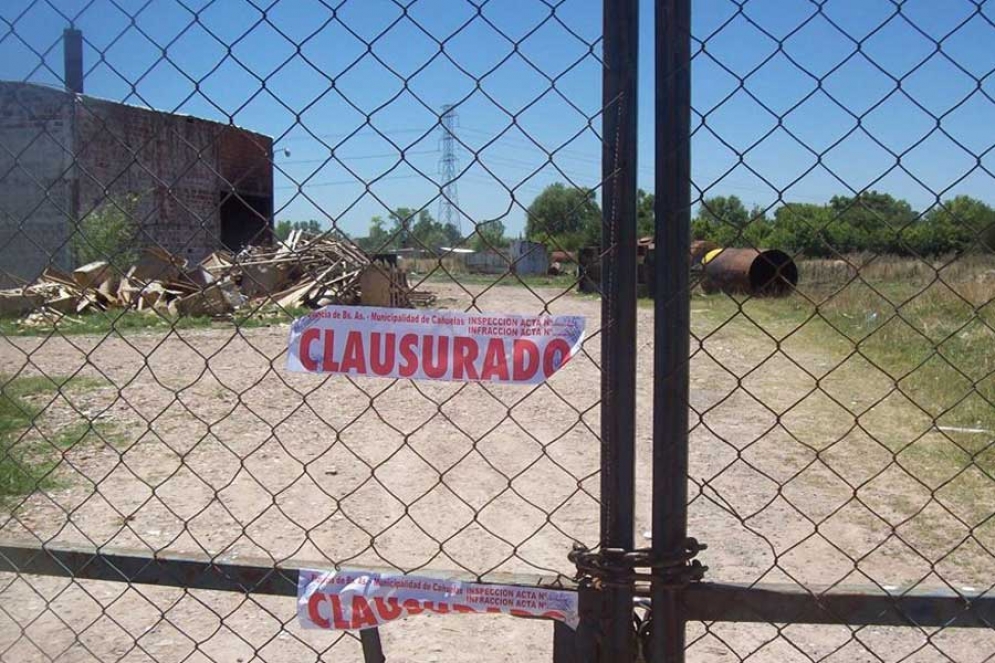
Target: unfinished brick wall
[174, 169]
[246, 166]
[35, 178]
[246, 161]
[172, 172]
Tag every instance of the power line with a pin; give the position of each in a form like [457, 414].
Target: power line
[301, 187]
[366, 128]
[355, 158]
[529, 145]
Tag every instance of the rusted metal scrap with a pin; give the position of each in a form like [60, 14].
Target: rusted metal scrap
[765, 273]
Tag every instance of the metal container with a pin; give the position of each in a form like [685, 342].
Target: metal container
[699, 248]
[769, 273]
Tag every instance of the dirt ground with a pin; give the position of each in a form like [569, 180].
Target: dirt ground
[213, 447]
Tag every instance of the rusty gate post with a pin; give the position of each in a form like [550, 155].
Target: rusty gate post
[672, 318]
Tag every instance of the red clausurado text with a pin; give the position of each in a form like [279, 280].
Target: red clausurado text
[434, 356]
[355, 612]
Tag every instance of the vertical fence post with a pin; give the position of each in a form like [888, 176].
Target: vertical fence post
[618, 313]
[72, 60]
[72, 77]
[672, 315]
[372, 648]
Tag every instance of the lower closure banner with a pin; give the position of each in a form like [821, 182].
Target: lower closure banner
[433, 345]
[356, 600]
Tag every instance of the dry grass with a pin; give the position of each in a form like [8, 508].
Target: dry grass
[821, 274]
[928, 330]
[908, 351]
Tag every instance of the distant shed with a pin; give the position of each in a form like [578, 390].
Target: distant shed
[521, 257]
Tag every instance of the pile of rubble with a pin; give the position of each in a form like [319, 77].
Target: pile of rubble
[303, 272]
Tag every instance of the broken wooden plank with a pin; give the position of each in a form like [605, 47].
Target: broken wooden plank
[92, 274]
[209, 301]
[294, 297]
[63, 303]
[54, 275]
[375, 287]
[263, 279]
[108, 289]
[156, 264]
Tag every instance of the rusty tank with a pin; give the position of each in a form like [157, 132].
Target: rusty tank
[764, 273]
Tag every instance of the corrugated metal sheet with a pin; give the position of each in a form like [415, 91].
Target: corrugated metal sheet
[521, 257]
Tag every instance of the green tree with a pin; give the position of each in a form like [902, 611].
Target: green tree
[797, 227]
[380, 238]
[645, 214]
[284, 228]
[959, 224]
[417, 229]
[566, 217]
[870, 221]
[489, 234]
[721, 219]
[108, 233]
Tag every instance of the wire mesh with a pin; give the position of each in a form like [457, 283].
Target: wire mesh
[841, 426]
[842, 433]
[148, 405]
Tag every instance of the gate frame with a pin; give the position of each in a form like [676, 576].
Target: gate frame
[619, 145]
[671, 322]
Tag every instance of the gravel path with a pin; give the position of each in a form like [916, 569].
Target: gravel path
[215, 448]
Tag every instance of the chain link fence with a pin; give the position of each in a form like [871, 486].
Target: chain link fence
[841, 434]
[217, 169]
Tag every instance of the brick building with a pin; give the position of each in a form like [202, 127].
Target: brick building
[192, 185]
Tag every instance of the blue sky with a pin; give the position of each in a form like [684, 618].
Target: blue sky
[342, 111]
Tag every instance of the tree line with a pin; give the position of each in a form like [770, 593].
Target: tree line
[408, 228]
[568, 218]
[872, 221]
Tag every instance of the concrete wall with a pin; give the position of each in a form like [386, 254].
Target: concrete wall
[173, 172]
[35, 163]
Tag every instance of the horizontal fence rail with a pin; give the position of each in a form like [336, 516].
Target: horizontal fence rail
[706, 601]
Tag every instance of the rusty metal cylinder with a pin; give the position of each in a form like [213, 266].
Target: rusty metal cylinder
[768, 273]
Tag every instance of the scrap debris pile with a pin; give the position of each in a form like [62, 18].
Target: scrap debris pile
[303, 272]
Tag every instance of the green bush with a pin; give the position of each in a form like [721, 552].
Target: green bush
[108, 233]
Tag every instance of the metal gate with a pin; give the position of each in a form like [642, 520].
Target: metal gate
[822, 386]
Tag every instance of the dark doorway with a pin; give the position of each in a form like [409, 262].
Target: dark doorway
[245, 220]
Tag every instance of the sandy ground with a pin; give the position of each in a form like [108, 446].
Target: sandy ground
[214, 448]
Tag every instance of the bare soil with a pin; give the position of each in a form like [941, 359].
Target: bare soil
[214, 448]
